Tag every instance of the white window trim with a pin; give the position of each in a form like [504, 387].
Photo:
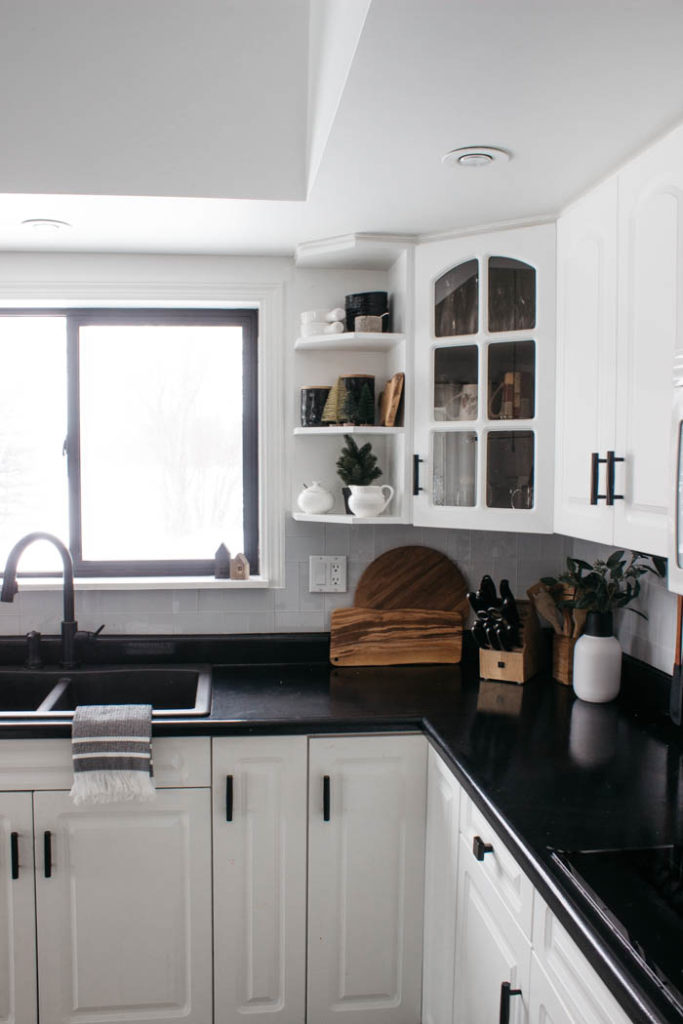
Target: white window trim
[268, 298]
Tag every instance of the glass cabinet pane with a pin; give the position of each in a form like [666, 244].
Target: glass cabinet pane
[512, 295]
[456, 301]
[454, 458]
[512, 380]
[510, 469]
[456, 380]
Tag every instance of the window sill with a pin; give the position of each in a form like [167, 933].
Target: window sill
[144, 583]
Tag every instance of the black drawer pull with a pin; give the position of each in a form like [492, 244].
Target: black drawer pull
[611, 496]
[596, 462]
[326, 798]
[416, 475]
[228, 797]
[14, 854]
[506, 994]
[47, 853]
[480, 848]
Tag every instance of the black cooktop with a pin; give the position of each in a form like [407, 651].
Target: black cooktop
[639, 895]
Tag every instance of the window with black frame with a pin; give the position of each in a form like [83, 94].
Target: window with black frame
[134, 434]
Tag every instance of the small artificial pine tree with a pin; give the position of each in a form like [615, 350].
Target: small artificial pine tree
[349, 409]
[357, 466]
[331, 410]
[365, 413]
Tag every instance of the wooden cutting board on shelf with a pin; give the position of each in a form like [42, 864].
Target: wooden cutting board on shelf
[409, 608]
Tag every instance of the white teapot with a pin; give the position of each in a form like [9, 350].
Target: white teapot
[315, 500]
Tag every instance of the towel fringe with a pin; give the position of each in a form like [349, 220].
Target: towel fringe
[105, 787]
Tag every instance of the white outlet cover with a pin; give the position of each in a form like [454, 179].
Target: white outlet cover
[327, 574]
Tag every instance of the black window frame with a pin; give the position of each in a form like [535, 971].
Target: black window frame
[76, 318]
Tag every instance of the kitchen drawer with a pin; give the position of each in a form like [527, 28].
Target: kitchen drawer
[577, 985]
[499, 866]
[179, 762]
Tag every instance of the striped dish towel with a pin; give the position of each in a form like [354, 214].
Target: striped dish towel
[112, 753]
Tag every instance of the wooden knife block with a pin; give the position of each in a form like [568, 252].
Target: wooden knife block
[521, 663]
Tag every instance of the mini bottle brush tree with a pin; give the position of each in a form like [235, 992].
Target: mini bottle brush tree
[357, 466]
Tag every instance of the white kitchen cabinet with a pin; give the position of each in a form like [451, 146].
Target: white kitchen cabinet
[123, 896]
[441, 885]
[367, 799]
[484, 372]
[620, 269]
[17, 911]
[586, 360]
[563, 967]
[491, 950]
[259, 831]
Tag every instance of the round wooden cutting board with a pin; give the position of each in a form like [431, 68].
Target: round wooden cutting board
[412, 577]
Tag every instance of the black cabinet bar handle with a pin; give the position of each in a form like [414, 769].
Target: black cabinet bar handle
[14, 854]
[611, 497]
[228, 797]
[596, 462]
[416, 475]
[326, 798]
[506, 994]
[480, 848]
[47, 853]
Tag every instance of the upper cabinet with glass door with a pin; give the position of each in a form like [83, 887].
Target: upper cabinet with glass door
[484, 381]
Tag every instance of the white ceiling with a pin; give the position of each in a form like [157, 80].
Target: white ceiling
[113, 107]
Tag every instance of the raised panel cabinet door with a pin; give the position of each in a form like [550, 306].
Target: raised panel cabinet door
[441, 882]
[17, 911]
[650, 331]
[491, 950]
[586, 361]
[123, 896]
[259, 833]
[545, 1006]
[367, 798]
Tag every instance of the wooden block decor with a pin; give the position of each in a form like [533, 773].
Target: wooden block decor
[410, 636]
[523, 662]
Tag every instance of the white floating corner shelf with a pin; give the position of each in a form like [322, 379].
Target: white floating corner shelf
[339, 430]
[301, 517]
[350, 341]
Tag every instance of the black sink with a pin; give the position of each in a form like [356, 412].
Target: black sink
[172, 690]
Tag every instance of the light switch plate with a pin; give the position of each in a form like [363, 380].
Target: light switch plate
[327, 574]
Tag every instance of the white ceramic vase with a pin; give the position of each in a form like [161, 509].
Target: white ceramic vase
[597, 661]
[369, 500]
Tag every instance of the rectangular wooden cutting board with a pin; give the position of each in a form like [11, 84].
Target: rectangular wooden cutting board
[409, 636]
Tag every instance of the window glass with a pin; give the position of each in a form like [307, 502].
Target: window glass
[33, 423]
[456, 301]
[161, 441]
[512, 295]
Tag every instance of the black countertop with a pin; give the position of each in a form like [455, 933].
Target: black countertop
[546, 769]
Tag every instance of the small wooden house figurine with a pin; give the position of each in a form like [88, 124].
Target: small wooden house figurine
[239, 568]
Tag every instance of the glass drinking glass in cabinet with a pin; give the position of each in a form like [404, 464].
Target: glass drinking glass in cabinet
[456, 301]
[454, 458]
[510, 469]
[456, 377]
[512, 295]
[511, 380]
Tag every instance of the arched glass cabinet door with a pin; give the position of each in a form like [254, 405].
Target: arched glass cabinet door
[511, 295]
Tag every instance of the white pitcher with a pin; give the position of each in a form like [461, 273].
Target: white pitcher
[368, 500]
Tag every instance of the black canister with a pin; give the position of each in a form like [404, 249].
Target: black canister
[312, 404]
[367, 304]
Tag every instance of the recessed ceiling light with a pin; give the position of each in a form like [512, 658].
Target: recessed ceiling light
[45, 224]
[475, 156]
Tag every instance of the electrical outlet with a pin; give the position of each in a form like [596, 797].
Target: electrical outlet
[327, 574]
